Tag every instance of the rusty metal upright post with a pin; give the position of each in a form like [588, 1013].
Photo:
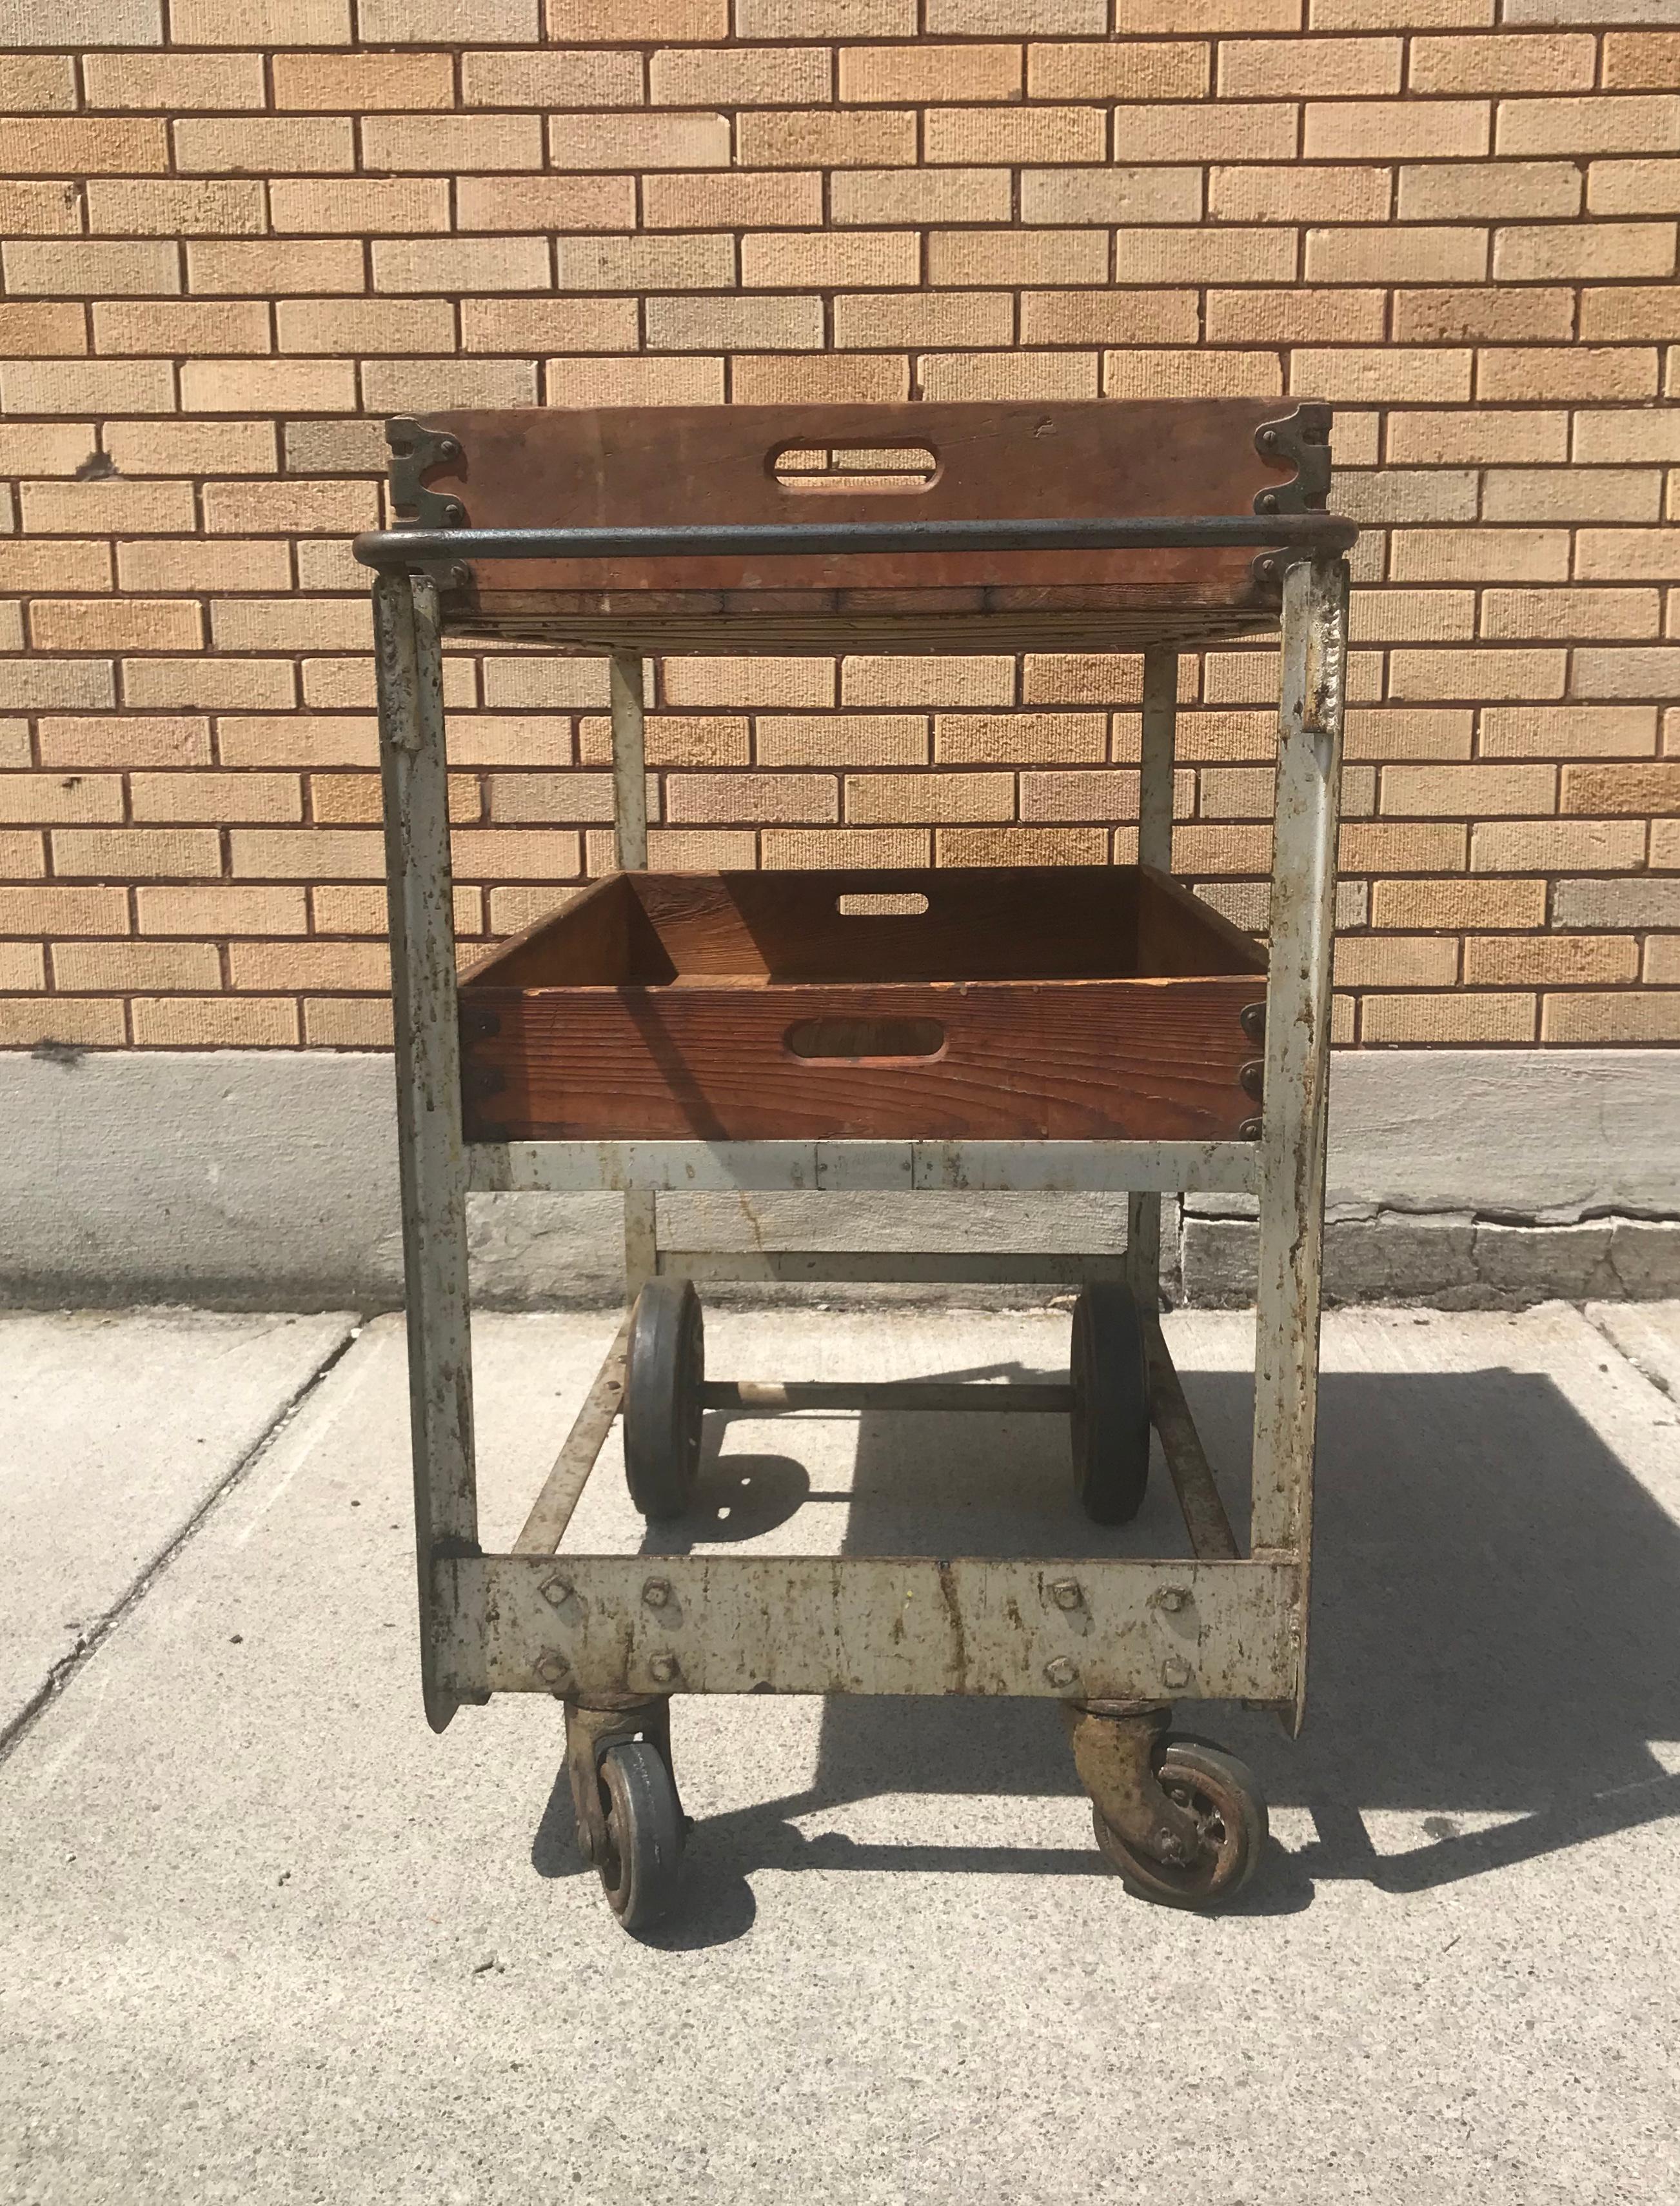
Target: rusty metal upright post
[630, 828]
[433, 1161]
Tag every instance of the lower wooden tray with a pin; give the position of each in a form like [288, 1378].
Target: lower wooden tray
[1032, 1002]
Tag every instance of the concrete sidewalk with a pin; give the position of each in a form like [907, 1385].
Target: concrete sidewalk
[264, 1939]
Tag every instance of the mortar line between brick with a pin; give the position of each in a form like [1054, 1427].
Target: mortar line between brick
[13, 1732]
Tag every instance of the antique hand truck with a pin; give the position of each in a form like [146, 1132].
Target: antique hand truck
[1028, 1029]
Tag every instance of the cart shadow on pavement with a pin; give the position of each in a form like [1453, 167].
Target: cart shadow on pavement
[1493, 1641]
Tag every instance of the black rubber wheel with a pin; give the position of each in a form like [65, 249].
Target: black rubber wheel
[663, 1408]
[1220, 1791]
[1110, 1423]
[645, 1829]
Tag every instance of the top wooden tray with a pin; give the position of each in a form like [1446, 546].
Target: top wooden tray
[1095, 459]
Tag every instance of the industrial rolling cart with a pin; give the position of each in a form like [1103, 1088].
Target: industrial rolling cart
[1026, 1029]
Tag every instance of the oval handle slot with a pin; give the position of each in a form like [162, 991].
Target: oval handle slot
[852, 469]
[865, 1041]
[910, 905]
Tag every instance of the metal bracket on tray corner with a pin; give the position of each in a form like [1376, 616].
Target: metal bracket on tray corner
[415, 449]
[1302, 439]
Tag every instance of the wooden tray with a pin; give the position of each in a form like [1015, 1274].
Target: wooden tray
[1028, 1003]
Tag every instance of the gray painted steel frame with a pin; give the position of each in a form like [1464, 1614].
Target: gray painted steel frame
[1096, 1628]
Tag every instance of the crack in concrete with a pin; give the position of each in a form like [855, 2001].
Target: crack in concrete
[93, 1636]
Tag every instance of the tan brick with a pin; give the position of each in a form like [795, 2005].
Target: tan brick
[42, 84]
[213, 1021]
[1396, 129]
[282, 144]
[449, 143]
[347, 207]
[1297, 193]
[1630, 311]
[1219, 736]
[1485, 904]
[87, 1023]
[924, 319]
[1463, 555]
[693, 849]
[1388, 255]
[1108, 317]
[22, 966]
[450, 22]
[737, 76]
[1194, 374]
[1564, 63]
[1549, 961]
[276, 266]
[821, 380]
[1396, 961]
[42, 797]
[182, 325]
[40, 209]
[711, 739]
[1617, 1018]
[921, 195]
[1204, 256]
[1384, 846]
[636, 21]
[1557, 845]
[1650, 787]
[971, 257]
[346, 1022]
[1308, 69]
[1662, 960]
[1379, 374]
[132, 740]
[512, 854]
[1634, 187]
[56, 685]
[1484, 191]
[299, 739]
[873, 799]
[410, 386]
[461, 264]
[1479, 315]
[45, 448]
[1438, 440]
[526, 799]
[341, 909]
[169, 208]
[250, 685]
[1448, 1018]
[824, 19]
[1629, 555]
[1569, 731]
[800, 849]
[909, 75]
[1629, 671]
[542, 203]
[596, 141]
[1230, 131]
[1021, 846]
[1110, 196]
[1033, 376]
[950, 680]
[1293, 317]
[1561, 494]
[52, 910]
[1136, 16]
[58, 564]
[742, 683]
[810, 138]
[1167, 69]
[1476, 675]
[1412, 615]
[1589, 251]
[1555, 613]
[83, 145]
[583, 382]
[787, 200]
[292, 624]
[279, 965]
[220, 911]
[106, 506]
[700, 261]
[307, 853]
[244, 508]
[1105, 793]
[91, 266]
[115, 624]
[1633, 59]
[841, 739]
[120, 967]
[361, 83]
[731, 322]
[1018, 18]
[831, 261]
[260, 22]
[245, 386]
[549, 324]
[365, 325]
[131, 852]
[1591, 125]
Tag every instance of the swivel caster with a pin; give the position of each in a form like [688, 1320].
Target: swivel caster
[1110, 1423]
[1183, 1821]
[664, 1406]
[630, 1823]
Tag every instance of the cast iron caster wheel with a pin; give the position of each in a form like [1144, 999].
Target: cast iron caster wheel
[1110, 1424]
[1221, 1793]
[644, 1832]
[663, 1406]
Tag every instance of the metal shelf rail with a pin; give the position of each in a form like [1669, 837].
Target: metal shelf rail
[1116, 1641]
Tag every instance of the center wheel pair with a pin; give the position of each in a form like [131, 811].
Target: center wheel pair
[1109, 1425]
[664, 1398]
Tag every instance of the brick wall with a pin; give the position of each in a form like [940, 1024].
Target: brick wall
[229, 254]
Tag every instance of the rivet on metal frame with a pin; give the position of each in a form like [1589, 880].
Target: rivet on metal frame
[664, 1669]
[1252, 1020]
[556, 1591]
[1174, 1671]
[1172, 1598]
[1251, 1077]
[1060, 1672]
[657, 1592]
[1251, 1130]
[553, 1669]
[1065, 1594]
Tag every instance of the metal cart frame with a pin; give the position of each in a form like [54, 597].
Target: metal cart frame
[1116, 1640]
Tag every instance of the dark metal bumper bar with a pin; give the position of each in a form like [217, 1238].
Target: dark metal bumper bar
[394, 548]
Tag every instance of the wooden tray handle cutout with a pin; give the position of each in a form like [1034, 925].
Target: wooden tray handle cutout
[850, 469]
[912, 904]
[866, 1041]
